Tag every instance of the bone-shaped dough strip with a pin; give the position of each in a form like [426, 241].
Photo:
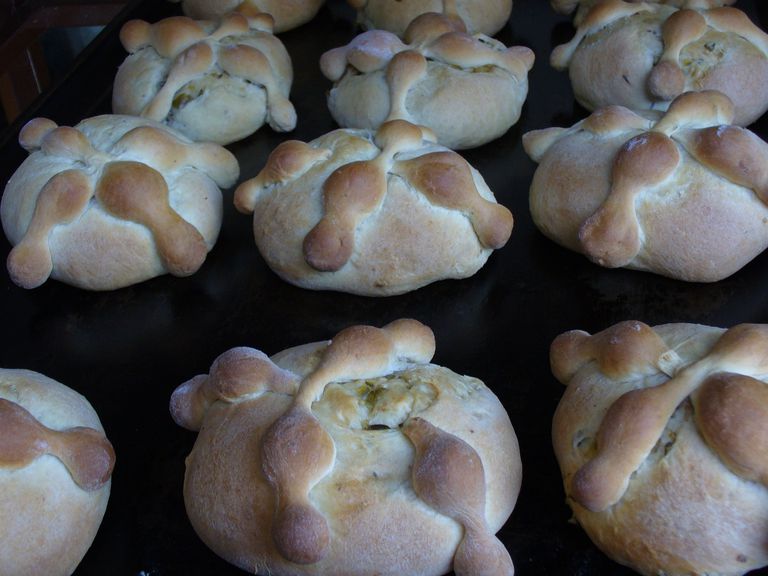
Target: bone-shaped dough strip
[368, 352]
[468, 52]
[448, 475]
[169, 37]
[296, 454]
[192, 62]
[249, 63]
[164, 152]
[63, 199]
[731, 413]
[367, 52]
[611, 236]
[634, 423]
[232, 24]
[32, 133]
[67, 142]
[446, 180]
[405, 69]
[236, 373]
[666, 80]
[732, 152]
[85, 452]
[350, 194]
[287, 162]
[696, 110]
[620, 351]
[137, 192]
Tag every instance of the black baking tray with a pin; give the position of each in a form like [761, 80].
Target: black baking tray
[128, 349]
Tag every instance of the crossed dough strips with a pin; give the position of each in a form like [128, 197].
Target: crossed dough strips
[297, 452]
[287, 14]
[695, 126]
[356, 190]
[115, 181]
[730, 402]
[86, 452]
[431, 37]
[194, 52]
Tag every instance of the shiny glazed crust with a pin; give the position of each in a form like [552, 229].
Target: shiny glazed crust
[111, 202]
[480, 16]
[682, 195]
[643, 55]
[55, 468]
[374, 214]
[468, 89]
[214, 82]
[662, 441]
[353, 456]
[287, 14]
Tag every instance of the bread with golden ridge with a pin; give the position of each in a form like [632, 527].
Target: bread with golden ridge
[55, 470]
[351, 456]
[661, 438]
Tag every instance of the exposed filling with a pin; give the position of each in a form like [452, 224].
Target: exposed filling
[699, 57]
[377, 403]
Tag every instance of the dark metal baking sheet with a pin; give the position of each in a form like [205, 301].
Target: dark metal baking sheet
[127, 350]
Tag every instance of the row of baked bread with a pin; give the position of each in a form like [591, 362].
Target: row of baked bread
[358, 456]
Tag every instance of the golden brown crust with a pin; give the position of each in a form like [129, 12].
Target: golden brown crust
[354, 178]
[323, 482]
[55, 468]
[645, 164]
[673, 51]
[216, 83]
[286, 14]
[438, 59]
[624, 442]
[107, 170]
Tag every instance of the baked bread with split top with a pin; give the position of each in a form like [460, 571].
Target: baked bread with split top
[353, 456]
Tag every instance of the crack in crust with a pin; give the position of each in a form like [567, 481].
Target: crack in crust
[297, 451]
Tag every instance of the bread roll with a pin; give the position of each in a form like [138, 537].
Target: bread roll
[643, 55]
[662, 440]
[468, 89]
[681, 194]
[55, 469]
[480, 16]
[354, 456]
[373, 214]
[114, 201]
[212, 81]
[287, 14]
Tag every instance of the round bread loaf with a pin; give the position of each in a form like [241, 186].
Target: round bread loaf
[568, 6]
[354, 456]
[480, 16]
[468, 89]
[55, 469]
[111, 202]
[374, 214]
[643, 55]
[681, 194]
[287, 14]
[662, 437]
[212, 81]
